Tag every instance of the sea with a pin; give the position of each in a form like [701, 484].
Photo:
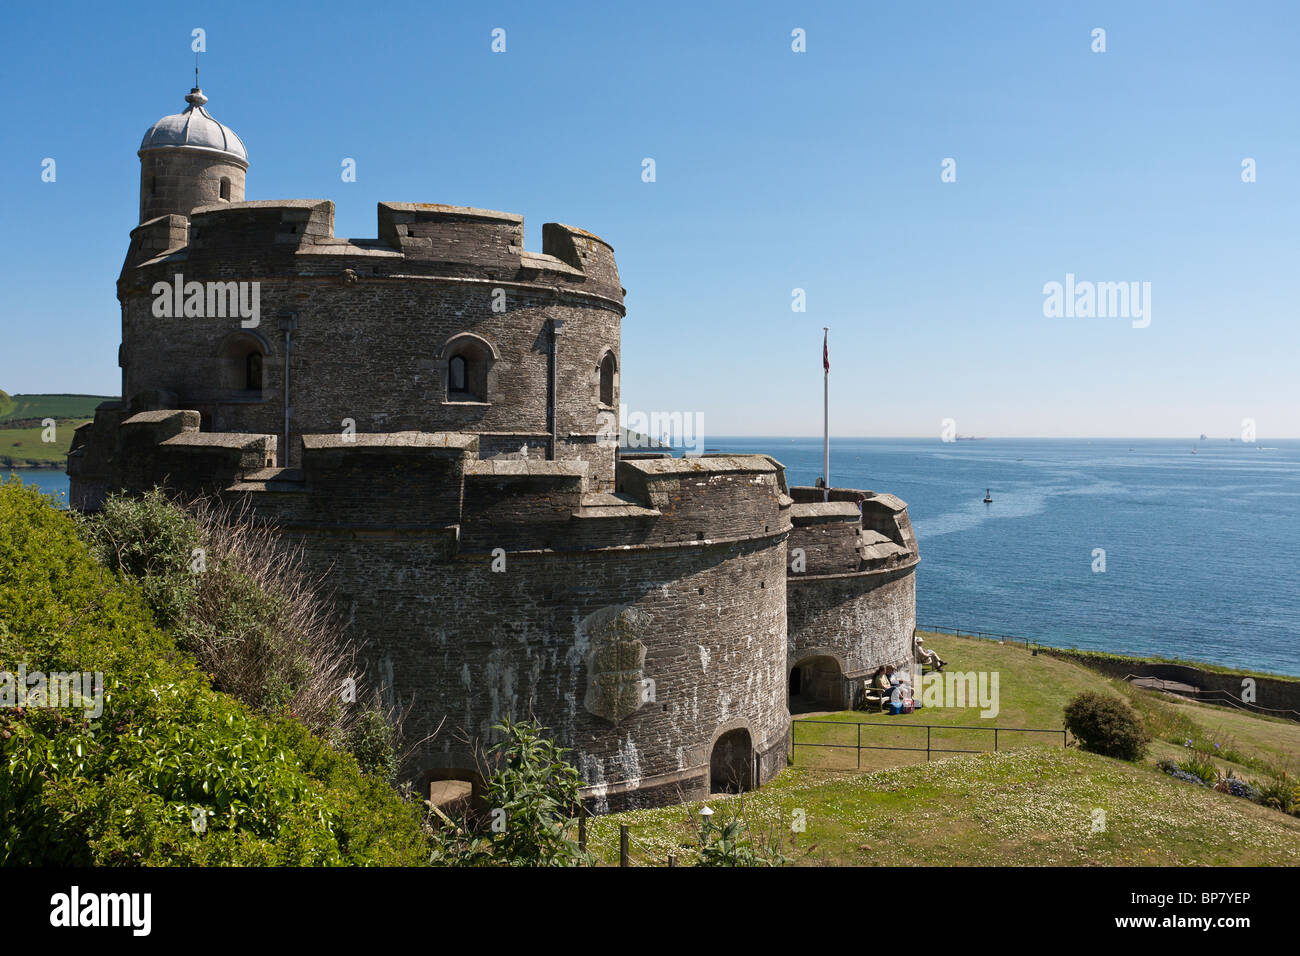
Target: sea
[1160, 547]
[1166, 547]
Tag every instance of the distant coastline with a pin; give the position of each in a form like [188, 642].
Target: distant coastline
[36, 429]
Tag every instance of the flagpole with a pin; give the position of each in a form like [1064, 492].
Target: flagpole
[826, 415]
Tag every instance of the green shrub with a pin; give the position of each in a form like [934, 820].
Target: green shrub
[152, 541]
[238, 599]
[1280, 792]
[372, 740]
[1200, 768]
[171, 771]
[1106, 725]
[727, 844]
[532, 797]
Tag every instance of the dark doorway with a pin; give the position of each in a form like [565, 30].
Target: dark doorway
[816, 684]
[731, 766]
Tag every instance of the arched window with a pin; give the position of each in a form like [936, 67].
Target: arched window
[607, 369]
[469, 359]
[225, 188]
[241, 365]
[153, 185]
[457, 375]
[253, 372]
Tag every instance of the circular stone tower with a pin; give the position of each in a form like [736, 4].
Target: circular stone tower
[189, 160]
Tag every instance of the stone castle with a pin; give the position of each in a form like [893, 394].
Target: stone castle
[428, 415]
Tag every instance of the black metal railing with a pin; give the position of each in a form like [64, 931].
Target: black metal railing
[982, 635]
[929, 747]
[1216, 696]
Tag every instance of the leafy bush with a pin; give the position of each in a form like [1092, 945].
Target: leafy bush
[532, 796]
[1199, 765]
[1237, 788]
[372, 739]
[1203, 770]
[727, 844]
[1281, 793]
[1107, 726]
[243, 604]
[171, 771]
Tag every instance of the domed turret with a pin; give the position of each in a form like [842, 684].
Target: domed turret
[195, 129]
[189, 160]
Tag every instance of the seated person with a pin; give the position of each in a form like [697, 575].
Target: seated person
[879, 687]
[900, 693]
[926, 656]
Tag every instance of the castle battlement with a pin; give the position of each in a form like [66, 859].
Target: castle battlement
[841, 536]
[434, 481]
[295, 237]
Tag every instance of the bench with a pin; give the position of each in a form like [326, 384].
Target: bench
[873, 698]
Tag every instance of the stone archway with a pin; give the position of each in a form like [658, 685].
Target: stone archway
[817, 683]
[731, 763]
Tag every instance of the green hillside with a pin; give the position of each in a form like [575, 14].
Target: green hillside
[23, 447]
[1028, 807]
[21, 429]
[126, 785]
[23, 407]
[1031, 803]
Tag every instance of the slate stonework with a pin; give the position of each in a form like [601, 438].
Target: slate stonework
[640, 609]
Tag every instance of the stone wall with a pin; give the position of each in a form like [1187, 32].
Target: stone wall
[465, 646]
[861, 621]
[639, 628]
[176, 181]
[1271, 693]
[851, 591]
[374, 325]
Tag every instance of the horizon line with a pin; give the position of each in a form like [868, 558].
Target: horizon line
[1211, 438]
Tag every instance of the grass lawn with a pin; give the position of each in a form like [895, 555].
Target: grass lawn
[1032, 804]
[1032, 691]
[23, 448]
[1271, 738]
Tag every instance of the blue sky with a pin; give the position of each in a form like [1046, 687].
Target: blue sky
[775, 170]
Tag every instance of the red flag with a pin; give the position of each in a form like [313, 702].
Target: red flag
[826, 353]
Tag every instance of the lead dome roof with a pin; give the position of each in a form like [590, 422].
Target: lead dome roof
[195, 129]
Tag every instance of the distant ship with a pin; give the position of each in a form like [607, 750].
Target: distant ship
[988, 496]
[1203, 438]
